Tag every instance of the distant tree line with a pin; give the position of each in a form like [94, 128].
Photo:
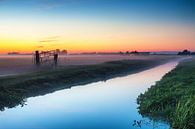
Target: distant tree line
[61, 51]
[186, 52]
[135, 53]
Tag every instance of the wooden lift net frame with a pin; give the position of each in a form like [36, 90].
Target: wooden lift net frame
[44, 57]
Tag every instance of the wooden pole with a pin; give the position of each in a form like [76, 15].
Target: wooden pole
[37, 58]
[55, 59]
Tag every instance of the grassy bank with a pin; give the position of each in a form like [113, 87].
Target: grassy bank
[15, 89]
[173, 97]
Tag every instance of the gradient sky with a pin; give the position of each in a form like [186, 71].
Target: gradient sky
[97, 25]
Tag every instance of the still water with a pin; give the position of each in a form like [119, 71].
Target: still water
[100, 105]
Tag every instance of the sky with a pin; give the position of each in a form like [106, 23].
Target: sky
[97, 25]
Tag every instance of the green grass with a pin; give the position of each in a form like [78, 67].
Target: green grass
[184, 117]
[15, 89]
[172, 98]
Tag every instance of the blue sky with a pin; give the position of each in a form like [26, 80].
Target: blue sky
[166, 10]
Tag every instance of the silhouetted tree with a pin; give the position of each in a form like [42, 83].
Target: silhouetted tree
[184, 52]
[134, 52]
[121, 53]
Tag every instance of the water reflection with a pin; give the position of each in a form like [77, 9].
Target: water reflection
[150, 123]
[101, 105]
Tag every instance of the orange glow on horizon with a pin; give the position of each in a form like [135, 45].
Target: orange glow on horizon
[101, 37]
[79, 48]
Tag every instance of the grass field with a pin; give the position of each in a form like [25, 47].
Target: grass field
[173, 98]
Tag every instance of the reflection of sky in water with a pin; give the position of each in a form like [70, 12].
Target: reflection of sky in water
[101, 105]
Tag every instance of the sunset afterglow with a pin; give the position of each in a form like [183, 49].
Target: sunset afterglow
[86, 26]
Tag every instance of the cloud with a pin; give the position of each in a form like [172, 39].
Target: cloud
[53, 37]
[40, 46]
[50, 39]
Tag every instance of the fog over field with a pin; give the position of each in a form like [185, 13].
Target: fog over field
[15, 64]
